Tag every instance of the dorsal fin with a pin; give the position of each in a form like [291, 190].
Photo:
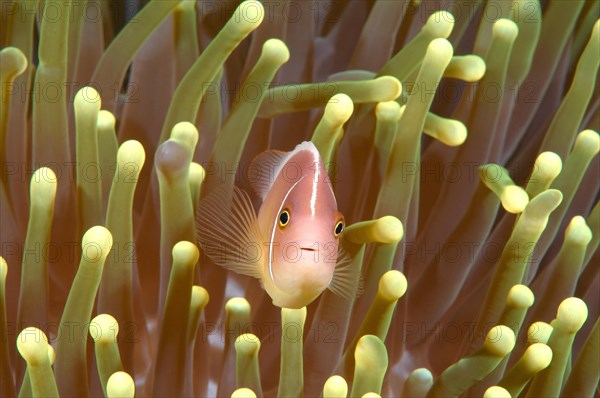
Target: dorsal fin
[262, 169]
[265, 167]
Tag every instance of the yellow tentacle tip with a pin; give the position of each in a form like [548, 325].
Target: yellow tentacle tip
[578, 231]
[496, 392]
[371, 395]
[237, 304]
[247, 343]
[120, 385]
[197, 172]
[3, 269]
[42, 189]
[106, 120]
[543, 204]
[505, 29]
[87, 100]
[185, 252]
[392, 285]
[387, 88]
[388, 229]
[129, 152]
[243, 393]
[451, 132]
[14, 62]
[588, 141]
[339, 108]
[276, 51]
[499, 341]
[104, 329]
[200, 297]
[370, 353]
[520, 296]
[539, 332]
[469, 68]
[537, 357]
[32, 344]
[96, 244]
[388, 111]
[440, 50]
[571, 315]
[440, 24]
[548, 165]
[186, 134]
[335, 387]
[514, 199]
[248, 16]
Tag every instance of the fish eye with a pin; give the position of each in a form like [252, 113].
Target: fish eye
[284, 218]
[339, 227]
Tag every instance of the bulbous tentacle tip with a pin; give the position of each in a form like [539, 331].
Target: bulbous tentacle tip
[248, 16]
[186, 134]
[388, 111]
[200, 297]
[243, 393]
[237, 304]
[104, 329]
[539, 332]
[371, 395]
[87, 101]
[520, 296]
[131, 151]
[589, 142]
[247, 344]
[14, 62]
[42, 188]
[440, 50]
[96, 244]
[537, 357]
[388, 229]
[32, 344]
[505, 29]
[392, 285]
[496, 392]
[549, 164]
[106, 120]
[185, 252]
[514, 199]
[571, 315]
[499, 341]
[339, 108]
[276, 51]
[171, 159]
[578, 232]
[440, 24]
[388, 87]
[3, 269]
[335, 387]
[120, 385]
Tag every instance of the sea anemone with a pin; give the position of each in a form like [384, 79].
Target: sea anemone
[118, 119]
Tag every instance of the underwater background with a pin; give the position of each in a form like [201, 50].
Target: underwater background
[460, 139]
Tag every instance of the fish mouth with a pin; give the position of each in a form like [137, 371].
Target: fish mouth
[309, 249]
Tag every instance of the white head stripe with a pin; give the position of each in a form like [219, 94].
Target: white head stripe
[275, 226]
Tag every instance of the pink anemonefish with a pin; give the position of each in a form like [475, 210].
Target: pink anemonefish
[292, 245]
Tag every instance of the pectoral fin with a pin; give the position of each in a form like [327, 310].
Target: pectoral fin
[347, 280]
[228, 231]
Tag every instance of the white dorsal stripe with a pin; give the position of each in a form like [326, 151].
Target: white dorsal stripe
[305, 146]
[313, 194]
